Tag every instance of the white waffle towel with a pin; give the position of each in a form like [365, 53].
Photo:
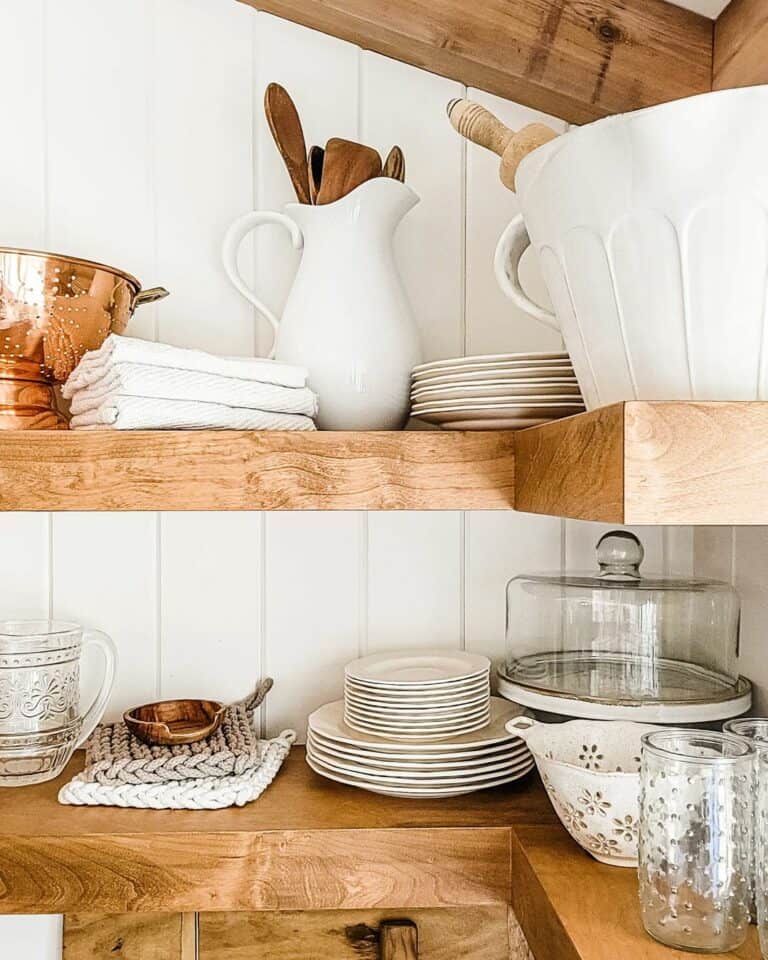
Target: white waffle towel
[145, 413]
[116, 349]
[163, 383]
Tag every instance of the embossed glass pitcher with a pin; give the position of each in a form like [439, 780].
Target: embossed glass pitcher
[40, 720]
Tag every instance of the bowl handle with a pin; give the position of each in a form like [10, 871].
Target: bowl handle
[506, 263]
[521, 726]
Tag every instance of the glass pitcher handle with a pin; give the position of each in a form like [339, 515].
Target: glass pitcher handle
[94, 713]
[232, 240]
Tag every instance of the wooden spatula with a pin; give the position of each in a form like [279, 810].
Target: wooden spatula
[481, 127]
[315, 160]
[346, 165]
[283, 120]
[394, 165]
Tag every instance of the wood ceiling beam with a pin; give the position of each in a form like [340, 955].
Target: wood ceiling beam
[575, 60]
[741, 45]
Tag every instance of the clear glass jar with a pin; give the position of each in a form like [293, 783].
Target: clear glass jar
[617, 638]
[754, 729]
[696, 836]
[761, 851]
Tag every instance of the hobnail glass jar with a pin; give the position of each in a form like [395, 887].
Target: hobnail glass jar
[696, 833]
[616, 640]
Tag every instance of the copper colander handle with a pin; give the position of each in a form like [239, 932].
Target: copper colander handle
[149, 296]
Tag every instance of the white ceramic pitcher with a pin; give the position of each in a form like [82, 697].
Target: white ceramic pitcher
[347, 318]
[652, 233]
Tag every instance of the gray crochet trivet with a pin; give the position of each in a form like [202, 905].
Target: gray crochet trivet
[114, 755]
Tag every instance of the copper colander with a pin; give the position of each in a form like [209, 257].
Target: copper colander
[52, 310]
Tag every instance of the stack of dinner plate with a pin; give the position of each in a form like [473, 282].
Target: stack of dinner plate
[507, 391]
[430, 768]
[429, 695]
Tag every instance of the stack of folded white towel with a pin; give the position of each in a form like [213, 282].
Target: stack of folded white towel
[130, 384]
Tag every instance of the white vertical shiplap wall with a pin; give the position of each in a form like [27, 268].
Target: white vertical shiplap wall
[138, 135]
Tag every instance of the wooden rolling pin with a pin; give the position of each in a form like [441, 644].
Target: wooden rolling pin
[481, 127]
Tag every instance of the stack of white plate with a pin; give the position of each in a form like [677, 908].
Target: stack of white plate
[507, 391]
[447, 768]
[429, 695]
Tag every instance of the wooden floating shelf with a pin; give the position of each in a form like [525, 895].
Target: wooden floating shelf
[577, 61]
[646, 463]
[633, 463]
[309, 844]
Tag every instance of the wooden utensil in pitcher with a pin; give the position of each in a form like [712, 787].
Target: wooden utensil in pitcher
[284, 122]
[346, 165]
[483, 128]
[315, 161]
[394, 165]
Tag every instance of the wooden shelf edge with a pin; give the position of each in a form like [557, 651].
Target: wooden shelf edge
[575, 61]
[256, 470]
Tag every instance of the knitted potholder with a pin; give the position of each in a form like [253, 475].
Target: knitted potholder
[231, 767]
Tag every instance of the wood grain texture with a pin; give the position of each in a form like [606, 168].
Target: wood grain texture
[234, 470]
[741, 45]
[696, 463]
[399, 940]
[573, 467]
[573, 908]
[298, 847]
[126, 936]
[443, 934]
[578, 61]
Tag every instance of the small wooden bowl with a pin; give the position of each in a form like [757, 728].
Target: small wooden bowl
[170, 722]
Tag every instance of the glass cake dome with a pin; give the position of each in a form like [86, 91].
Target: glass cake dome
[614, 644]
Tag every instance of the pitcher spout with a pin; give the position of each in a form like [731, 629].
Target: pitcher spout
[378, 204]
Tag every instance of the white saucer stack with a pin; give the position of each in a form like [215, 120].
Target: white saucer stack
[508, 391]
[417, 725]
[417, 696]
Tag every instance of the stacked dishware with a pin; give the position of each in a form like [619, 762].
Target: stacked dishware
[420, 748]
[508, 391]
[429, 696]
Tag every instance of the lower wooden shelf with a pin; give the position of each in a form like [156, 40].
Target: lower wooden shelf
[309, 844]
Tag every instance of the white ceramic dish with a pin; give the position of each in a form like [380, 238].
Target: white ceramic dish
[435, 691]
[642, 712]
[504, 412]
[497, 423]
[413, 727]
[407, 753]
[489, 358]
[412, 792]
[390, 703]
[481, 392]
[426, 668]
[515, 750]
[591, 772]
[426, 736]
[552, 368]
[526, 405]
[411, 713]
[328, 721]
[418, 778]
[551, 377]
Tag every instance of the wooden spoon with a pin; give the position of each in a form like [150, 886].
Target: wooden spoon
[346, 165]
[284, 122]
[394, 165]
[315, 160]
[481, 127]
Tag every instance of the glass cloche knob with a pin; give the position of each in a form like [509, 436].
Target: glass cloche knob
[619, 554]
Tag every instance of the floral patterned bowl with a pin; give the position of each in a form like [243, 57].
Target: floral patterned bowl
[591, 771]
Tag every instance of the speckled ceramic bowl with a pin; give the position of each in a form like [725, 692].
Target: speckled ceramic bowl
[591, 771]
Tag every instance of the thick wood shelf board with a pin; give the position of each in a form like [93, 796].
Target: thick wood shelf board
[741, 45]
[649, 463]
[309, 844]
[577, 61]
[259, 470]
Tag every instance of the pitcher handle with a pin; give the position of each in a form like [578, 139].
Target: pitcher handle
[234, 237]
[94, 713]
[511, 247]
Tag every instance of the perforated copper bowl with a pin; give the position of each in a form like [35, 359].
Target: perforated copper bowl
[53, 309]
